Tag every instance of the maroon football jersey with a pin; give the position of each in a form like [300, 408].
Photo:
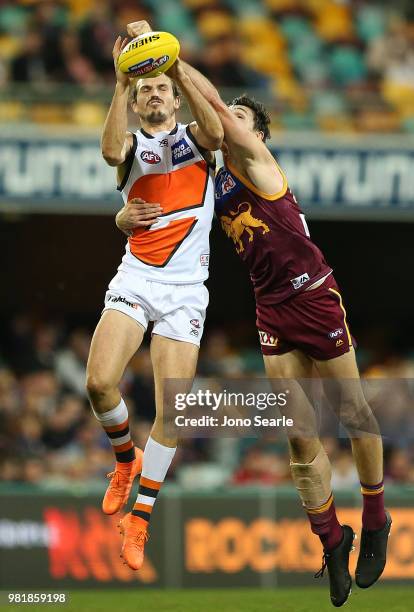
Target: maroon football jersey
[270, 234]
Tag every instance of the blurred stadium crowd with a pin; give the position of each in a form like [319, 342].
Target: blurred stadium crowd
[49, 438]
[332, 65]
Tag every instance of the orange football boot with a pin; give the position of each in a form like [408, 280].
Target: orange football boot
[122, 477]
[135, 536]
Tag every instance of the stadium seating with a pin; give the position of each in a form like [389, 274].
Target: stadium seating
[311, 56]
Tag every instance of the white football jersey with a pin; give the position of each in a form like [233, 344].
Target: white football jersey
[169, 168]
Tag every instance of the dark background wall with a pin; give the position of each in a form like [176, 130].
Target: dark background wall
[60, 266]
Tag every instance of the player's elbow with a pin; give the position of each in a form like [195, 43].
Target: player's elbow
[216, 144]
[215, 138]
[111, 158]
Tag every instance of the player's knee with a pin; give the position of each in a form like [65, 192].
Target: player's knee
[98, 386]
[357, 416]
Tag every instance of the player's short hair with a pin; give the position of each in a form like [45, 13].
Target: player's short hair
[175, 89]
[261, 116]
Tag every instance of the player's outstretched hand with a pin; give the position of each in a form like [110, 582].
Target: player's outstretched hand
[120, 43]
[138, 27]
[137, 213]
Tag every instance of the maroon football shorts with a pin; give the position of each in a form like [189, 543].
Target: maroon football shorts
[312, 321]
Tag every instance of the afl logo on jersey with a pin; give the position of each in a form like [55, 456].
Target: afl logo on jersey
[150, 157]
[336, 332]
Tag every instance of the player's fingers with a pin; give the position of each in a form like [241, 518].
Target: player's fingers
[145, 223]
[143, 216]
[150, 215]
[124, 43]
[145, 207]
[131, 28]
[117, 47]
[138, 27]
[136, 201]
[142, 208]
[141, 201]
[141, 212]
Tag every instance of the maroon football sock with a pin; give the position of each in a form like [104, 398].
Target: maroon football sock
[373, 513]
[325, 524]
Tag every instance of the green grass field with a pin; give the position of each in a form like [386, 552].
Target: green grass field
[389, 599]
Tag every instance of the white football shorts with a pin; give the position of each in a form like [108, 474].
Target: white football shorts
[178, 311]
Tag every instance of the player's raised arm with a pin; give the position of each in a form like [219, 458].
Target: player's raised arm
[207, 130]
[246, 128]
[235, 134]
[116, 141]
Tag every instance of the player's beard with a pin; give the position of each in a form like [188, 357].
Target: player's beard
[156, 117]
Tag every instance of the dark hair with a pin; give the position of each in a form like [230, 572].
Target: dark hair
[261, 116]
[175, 89]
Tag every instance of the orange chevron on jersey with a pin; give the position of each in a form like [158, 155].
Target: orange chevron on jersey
[157, 247]
[183, 188]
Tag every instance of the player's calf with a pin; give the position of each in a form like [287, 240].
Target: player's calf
[128, 465]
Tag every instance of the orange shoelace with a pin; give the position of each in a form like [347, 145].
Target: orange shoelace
[140, 538]
[119, 479]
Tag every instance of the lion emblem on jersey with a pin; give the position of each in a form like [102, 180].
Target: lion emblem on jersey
[241, 222]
